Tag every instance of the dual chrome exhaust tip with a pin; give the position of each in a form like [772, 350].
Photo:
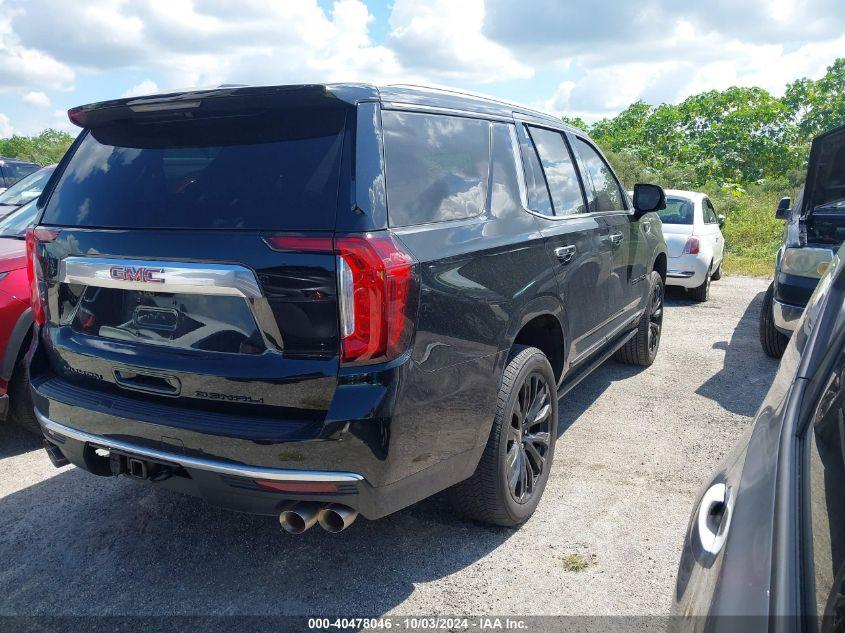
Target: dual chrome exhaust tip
[297, 517]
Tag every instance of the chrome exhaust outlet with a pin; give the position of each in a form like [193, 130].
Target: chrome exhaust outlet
[336, 518]
[298, 517]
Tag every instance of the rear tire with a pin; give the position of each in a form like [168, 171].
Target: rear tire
[510, 477]
[702, 293]
[717, 274]
[21, 409]
[774, 341]
[642, 349]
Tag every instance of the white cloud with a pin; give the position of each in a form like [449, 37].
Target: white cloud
[37, 99]
[6, 129]
[146, 87]
[443, 38]
[26, 67]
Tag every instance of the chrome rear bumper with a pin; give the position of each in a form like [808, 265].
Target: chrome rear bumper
[224, 468]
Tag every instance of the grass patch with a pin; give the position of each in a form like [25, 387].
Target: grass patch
[576, 562]
[748, 265]
[752, 233]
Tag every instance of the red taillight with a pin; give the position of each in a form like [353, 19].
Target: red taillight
[692, 246]
[378, 287]
[378, 290]
[35, 236]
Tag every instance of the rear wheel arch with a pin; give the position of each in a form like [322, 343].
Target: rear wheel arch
[545, 332]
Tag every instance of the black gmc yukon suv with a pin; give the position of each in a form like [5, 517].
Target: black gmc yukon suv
[313, 301]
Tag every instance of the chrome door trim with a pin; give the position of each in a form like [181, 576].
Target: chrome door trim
[167, 276]
[199, 463]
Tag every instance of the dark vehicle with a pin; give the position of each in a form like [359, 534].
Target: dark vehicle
[345, 297]
[12, 170]
[767, 538]
[26, 189]
[815, 228]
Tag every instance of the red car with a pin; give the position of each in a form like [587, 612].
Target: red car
[15, 318]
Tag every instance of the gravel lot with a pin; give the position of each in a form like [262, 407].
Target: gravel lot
[636, 446]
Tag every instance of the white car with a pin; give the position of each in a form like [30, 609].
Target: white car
[693, 235]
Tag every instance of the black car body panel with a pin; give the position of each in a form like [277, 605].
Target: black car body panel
[253, 380]
[764, 570]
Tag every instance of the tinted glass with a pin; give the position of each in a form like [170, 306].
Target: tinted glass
[538, 192]
[606, 194]
[677, 211]
[278, 170]
[709, 213]
[436, 167]
[26, 189]
[16, 223]
[504, 193]
[826, 469]
[560, 171]
[16, 171]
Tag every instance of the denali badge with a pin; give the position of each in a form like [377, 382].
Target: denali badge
[136, 273]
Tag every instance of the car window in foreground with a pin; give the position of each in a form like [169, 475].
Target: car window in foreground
[677, 211]
[26, 189]
[436, 167]
[276, 172]
[15, 224]
[825, 504]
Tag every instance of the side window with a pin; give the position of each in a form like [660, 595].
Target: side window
[709, 213]
[538, 192]
[825, 506]
[606, 195]
[3, 184]
[560, 171]
[436, 167]
[505, 187]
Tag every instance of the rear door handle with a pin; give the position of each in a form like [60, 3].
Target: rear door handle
[565, 253]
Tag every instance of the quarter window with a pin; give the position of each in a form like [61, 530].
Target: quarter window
[603, 191]
[504, 188]
[559, 170]
[436, 167]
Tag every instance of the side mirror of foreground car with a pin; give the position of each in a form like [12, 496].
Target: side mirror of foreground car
[721, 220]
[782, 211]
[648, 198]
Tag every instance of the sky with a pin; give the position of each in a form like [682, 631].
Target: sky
[587, 58]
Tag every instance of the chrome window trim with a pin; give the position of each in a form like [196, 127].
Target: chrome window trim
[176, 277]
[224, 468]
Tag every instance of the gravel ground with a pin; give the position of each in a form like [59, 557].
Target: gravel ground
[636, 446]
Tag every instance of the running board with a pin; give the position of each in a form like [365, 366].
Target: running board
[571, 381]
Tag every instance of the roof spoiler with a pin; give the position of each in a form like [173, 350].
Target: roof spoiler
[203, 103]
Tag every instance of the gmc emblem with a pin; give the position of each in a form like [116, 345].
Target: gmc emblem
[136, 273]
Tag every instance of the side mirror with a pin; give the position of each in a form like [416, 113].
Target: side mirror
[648, 198]
[721, 219]
[782, 211]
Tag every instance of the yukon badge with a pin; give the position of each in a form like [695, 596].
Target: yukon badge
[136, 273]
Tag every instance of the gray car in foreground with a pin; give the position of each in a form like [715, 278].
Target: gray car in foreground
[767, 537]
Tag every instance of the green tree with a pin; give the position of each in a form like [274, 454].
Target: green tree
[818, 105]
[45, 148]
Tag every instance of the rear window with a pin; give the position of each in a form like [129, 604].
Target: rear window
[677, 211]
[276, 171]
[436, 167]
